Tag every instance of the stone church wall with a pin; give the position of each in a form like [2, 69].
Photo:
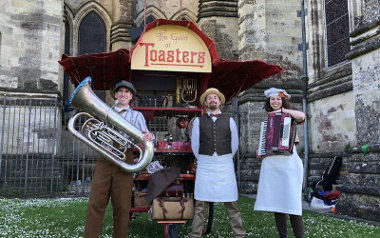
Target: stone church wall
[266, 34]
[333, 125]
[344, 107]
[30, 45]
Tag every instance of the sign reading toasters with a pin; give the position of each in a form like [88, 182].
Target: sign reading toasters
[171, 48]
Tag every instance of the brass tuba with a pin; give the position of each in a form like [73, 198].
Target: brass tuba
[103, 130]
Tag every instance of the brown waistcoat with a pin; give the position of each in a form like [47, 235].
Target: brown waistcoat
[214, 136]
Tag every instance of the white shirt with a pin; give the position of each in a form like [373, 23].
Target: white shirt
[135, 118]
[215, 179]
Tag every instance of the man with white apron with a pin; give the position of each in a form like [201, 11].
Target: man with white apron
[214, 141]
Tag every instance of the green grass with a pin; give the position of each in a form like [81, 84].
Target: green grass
[64, 217]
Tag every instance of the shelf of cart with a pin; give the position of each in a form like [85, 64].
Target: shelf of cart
[143, 176]
[139, 209]
[187, 176]
[146, 176]
[171, 221]
[169, 111]
[169, 151]
[172, 151]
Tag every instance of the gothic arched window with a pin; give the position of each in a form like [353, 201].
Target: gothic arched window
[337, 31]
[92, 39]
[92, 34]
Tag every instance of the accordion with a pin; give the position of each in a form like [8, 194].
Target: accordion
[277, 135]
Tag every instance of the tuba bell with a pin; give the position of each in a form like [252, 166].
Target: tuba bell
[103, 131]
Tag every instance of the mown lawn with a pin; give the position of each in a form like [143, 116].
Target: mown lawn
[64, 217]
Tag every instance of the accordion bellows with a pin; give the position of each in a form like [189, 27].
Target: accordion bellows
[277, 134]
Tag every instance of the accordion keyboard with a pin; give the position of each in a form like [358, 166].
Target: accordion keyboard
[286, 131]
[263, 134]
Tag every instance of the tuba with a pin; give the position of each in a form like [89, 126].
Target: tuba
[101, 131]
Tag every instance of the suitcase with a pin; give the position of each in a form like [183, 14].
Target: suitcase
[171, 208]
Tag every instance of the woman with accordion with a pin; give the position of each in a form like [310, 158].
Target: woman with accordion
[281, 174]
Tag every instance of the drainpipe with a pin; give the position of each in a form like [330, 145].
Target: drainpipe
[305, 80]
[236, 115]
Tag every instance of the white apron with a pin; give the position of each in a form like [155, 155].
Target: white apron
[280, 184]
[215, 179]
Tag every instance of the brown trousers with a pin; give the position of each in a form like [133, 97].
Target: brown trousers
[233, 215]
[109, 182]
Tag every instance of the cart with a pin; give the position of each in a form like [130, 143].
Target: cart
[171, 65]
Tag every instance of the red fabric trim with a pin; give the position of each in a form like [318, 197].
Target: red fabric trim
[229, 76]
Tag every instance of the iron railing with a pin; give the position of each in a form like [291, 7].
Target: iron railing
[40, 157]
[37, 154]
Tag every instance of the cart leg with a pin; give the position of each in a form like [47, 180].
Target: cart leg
[170, 231]
[166, 230]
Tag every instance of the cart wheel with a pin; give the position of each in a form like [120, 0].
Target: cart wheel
[173, 231]
[209, 219]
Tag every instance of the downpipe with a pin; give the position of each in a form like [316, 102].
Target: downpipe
[305, 80]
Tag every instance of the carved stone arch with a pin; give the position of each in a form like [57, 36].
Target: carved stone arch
[68, 20]
[68, 13]
[82, 13]
[67, 48]
[186, 14]
[150, 11]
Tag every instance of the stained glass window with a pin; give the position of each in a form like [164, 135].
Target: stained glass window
[92, 34]
[337, 31]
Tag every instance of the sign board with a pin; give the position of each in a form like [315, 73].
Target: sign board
[171, 48]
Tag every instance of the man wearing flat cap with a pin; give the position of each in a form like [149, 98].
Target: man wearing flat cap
[109, 181]
[214, 141]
